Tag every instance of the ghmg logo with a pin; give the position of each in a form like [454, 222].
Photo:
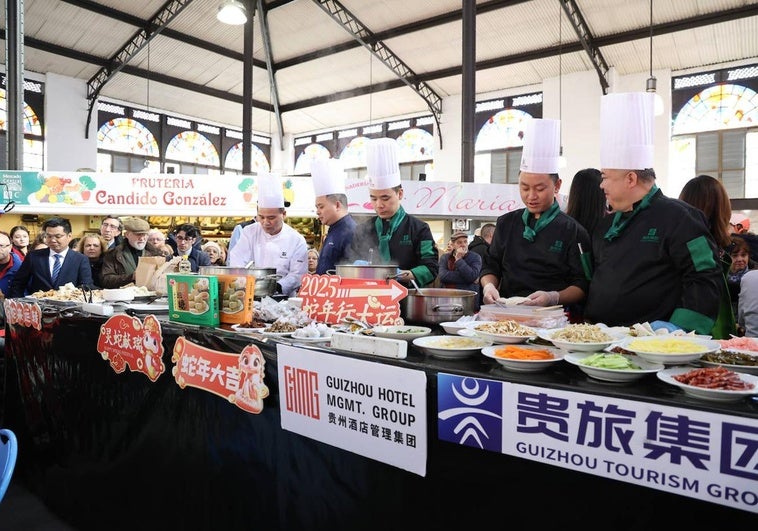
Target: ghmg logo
[301, 392]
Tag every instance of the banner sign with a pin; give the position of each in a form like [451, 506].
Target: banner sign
[125, 341]
[371, 409]
[24, 313]
[332, 299]
[237, 378]
[707, 456]
[143, 194]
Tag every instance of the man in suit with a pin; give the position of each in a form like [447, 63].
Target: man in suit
[46, 269]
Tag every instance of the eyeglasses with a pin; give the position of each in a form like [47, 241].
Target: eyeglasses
[184, 238]
[55, 236]
[109, 226]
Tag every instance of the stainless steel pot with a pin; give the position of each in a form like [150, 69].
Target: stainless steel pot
[378, 272]
[265, 277]
[437, 305]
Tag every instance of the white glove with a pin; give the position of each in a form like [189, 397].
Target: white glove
[542, 298]
[490, 294]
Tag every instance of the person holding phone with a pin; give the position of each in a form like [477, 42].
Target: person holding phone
[460, 268]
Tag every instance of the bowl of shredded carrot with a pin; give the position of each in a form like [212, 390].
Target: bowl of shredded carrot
[524, 358]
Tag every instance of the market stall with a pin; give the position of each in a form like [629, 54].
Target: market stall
[103, 447]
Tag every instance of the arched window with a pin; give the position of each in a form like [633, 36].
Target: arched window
[33, 141]
[310, 153]
[258, 161]
[130, 144]
[498, 147]
[196, 153]
[716, 132]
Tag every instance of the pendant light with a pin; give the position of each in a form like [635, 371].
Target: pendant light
[232, 12]
[652, 83]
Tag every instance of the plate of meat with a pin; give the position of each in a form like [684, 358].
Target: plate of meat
[716, 384]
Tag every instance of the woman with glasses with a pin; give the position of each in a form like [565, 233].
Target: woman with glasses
[93, 247]
[20, 241]
[46, 269]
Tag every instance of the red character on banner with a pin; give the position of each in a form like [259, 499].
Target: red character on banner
[152, 347]
[252, 390]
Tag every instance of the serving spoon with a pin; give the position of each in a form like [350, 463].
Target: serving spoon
[418, 290]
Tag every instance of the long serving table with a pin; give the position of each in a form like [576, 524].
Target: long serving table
[117, 451]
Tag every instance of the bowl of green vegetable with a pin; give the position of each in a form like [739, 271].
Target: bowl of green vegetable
[406, 332]
[612, 367]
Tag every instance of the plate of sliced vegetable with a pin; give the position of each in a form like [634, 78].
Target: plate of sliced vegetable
[581, 337]
[716, 384]
[732, 360]
[612, 367]
[524, 358]
[501, 331]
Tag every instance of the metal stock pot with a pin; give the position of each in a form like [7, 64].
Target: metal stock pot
[377, 272]
[437, 305]
[265, 277]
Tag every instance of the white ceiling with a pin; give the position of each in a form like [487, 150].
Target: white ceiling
[196, 67]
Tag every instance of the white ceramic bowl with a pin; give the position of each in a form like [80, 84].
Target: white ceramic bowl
[451, 347]
[714, 395]
[515, 365]
[649, 348]
[495, 337]
[614, 375]
[452, 327]
[749, 368]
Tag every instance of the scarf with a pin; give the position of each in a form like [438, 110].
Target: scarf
[385, 235]
[542, 222]
[620, 222]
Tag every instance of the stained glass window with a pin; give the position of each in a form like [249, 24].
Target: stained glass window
[193, 147]
[415, 145]
[718, 107]
[127, 135]
[258, 161]
[310, 153]
[30, 122]
[503, 130]
[354, 154]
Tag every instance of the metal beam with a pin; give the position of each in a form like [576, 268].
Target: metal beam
[270, 69]
[586, 40]
[127, 52]
[363, 35]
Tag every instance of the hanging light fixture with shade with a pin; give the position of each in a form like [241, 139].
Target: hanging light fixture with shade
[232, 12]
[652, 83]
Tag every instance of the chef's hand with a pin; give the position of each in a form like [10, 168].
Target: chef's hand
[406, 275]
[542, 298]
[664, 325]
[490, 294]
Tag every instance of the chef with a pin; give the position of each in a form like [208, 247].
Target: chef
[271, 243]
[535, 250]
[328, 179]
[654, 257]
[393, 236]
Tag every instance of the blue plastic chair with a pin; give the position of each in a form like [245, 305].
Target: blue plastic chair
[8, 454]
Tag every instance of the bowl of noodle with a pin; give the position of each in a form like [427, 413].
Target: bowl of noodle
[581, 337]
[451, 347]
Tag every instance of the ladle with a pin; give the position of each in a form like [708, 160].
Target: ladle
[418, 290]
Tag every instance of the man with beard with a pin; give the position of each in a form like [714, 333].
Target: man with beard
[121, 262]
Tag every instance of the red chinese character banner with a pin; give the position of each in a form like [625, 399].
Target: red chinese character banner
[237, 378]
[126, 341]
[333, 299]
[23, 313]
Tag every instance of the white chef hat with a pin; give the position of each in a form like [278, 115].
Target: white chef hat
[270, 193]
[626, 131]
[328, 177]
[542, 146]
[382, 168]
